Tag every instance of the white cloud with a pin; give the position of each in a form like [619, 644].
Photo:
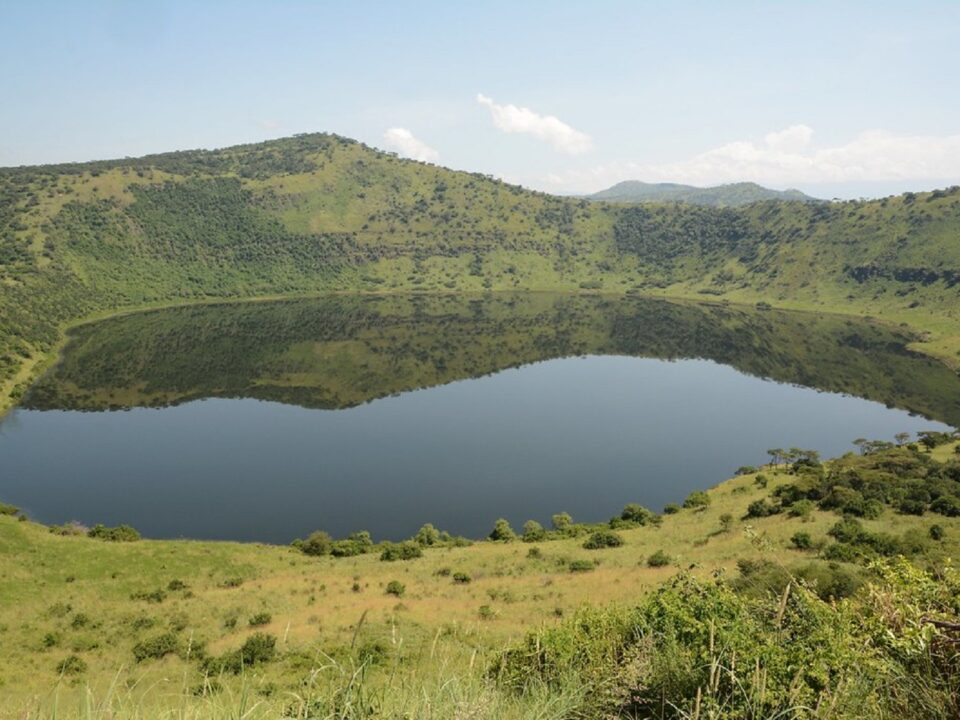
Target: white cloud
[513, 119]
[790, 157]
[403, 142]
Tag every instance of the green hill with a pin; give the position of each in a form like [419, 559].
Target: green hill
[318, 213]
[729, 195]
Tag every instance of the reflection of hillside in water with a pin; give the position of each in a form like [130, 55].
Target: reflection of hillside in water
[337, 352]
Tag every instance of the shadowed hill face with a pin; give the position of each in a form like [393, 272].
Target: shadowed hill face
[317, 213]
[339, 352]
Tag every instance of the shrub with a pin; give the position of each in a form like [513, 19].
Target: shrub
[155, 596]
[697, 499]
[156, 647]
[936, 532]
[396, 588]
[71, 665]
[580, 566]
[603, 539]
[948, 505]
[427, 535]
[533, 531]
[406, 550]
[317, 543]
[502, 532]
[801, 509]
[671, 509]
[658, 559]
[761, 508]
[745, 470]
[355, 544]
[121, 533]
[6, 509]
[726, 522]
[534, 553]
[175, 585]
[461, 578]
[561, 521]
[761, 480]
[801, 541]
[486, 612]
[258, 648]
[260, 618]
[635, 513]
[912, 507]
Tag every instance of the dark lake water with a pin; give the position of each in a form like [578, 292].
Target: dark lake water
[267, 421]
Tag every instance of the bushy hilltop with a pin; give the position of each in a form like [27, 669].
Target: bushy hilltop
[729, 195]
[319, 212]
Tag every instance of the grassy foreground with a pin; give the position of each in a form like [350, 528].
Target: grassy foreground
[188, 629]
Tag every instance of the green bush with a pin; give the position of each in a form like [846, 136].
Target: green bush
[395, 587]
[697, 499]
[357, 543]
[561, 521]
[502, 532]
[461, 578]
[581, 566]
[156, 647]
[317, 543]
[761, 508]
[801, 541]
[671, 509]
[801, 509]
[427, 535]
[259, 648]
[71, 665]
[777, 653]
[603, 539]
[659, 559]
[260, 618]
[533, 531]
[936, 532]
[121, 533]
[635, 513]
[406, 550]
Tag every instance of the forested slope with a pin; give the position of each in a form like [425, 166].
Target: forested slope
[317, 213]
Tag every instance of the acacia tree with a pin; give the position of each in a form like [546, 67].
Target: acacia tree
[775, 455]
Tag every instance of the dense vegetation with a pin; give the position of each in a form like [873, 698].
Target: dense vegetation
[318, 212]
[731, 195]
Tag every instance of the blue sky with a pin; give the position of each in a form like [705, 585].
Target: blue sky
[838, 98]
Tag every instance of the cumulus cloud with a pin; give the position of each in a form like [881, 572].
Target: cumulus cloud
[513, 119]
[790, 157]
[405, 143]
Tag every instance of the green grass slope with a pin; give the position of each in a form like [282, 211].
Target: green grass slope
[319, 213]
[789, 599]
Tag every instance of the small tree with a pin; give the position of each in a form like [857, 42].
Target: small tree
[502, 532]
[318, 543]
[636, 513]
[533, 531]
[427, 535]
[396, 588]
[561, 521]
[697, 499]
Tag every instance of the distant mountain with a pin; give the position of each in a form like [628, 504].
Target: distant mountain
[732, 195]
